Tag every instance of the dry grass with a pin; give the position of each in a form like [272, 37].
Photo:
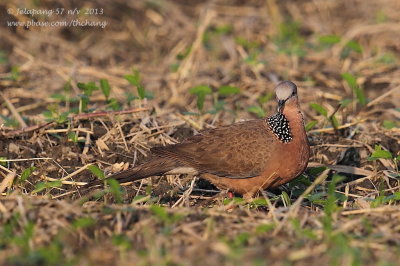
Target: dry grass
[345, 213]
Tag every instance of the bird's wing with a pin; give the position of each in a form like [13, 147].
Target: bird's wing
[240, 150]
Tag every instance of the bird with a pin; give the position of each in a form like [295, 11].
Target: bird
[245, 157]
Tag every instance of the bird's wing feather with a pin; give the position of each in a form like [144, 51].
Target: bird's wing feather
[225, 151]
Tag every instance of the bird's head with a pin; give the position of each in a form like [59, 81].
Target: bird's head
[285, 91]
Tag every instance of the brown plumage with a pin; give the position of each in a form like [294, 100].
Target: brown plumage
[243, 157]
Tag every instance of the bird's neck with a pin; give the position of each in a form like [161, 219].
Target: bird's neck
[289, 123]
[294, 116]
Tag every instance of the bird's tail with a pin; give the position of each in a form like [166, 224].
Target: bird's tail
[155, 167]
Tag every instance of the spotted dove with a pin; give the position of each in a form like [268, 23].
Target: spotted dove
[244, 157]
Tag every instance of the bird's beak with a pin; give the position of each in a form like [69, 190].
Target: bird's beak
[281, 104]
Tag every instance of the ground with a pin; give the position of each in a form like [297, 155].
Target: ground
[81, 101]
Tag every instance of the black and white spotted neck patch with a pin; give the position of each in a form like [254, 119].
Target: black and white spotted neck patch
[280, 127]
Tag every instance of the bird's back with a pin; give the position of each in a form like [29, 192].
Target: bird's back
[239, 150]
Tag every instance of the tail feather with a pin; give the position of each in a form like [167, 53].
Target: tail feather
[155, 167]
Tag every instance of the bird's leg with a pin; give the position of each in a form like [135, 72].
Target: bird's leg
[249, 196]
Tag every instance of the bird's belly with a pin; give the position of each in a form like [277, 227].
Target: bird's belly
[242, 186]
[285, 166]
